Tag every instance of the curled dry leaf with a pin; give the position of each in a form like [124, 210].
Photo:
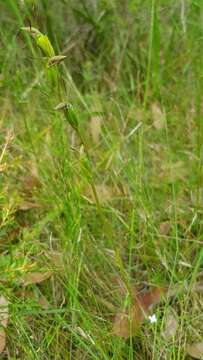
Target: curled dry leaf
[158, 116]
[35, 277]
[4, 316]
[95, 128]
[126, 324]
[195, 350]
[171, 324]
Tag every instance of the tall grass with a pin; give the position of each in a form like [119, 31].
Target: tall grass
[91, 213]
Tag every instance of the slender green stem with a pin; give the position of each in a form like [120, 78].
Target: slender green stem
[149, 65]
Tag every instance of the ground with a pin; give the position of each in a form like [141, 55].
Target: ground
[101, 219]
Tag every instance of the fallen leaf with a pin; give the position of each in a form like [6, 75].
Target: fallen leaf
[171, 324]
[35, 277]
[125, 324]
[4, 316]
[42, 301]
[2, 340]
[121, 325]
[95, 128]
[158, 116]
[28, 205]
[198, 287]
[164, 228]
[195, 350]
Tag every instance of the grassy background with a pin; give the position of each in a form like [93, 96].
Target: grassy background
[124, 59]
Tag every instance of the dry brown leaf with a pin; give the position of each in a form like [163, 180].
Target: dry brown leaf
[158, 116]
[2, 340]
[4, 316]
[28, 205]
[198, 287]
[42, 301]
[195, 350]
[164, 228]
[171, 324]
[95, 128]
[35, 277]
[125, 323]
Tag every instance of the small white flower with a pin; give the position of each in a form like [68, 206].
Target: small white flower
[152, 319]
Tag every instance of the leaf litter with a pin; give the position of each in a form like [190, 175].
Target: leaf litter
[158, 116]
[164, 228]
[35, 277]
[126, 323]
[195, 350]
[171, 324]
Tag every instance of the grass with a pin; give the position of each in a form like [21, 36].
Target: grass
[123, 60]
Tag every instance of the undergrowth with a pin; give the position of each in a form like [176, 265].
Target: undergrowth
[110, 197]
